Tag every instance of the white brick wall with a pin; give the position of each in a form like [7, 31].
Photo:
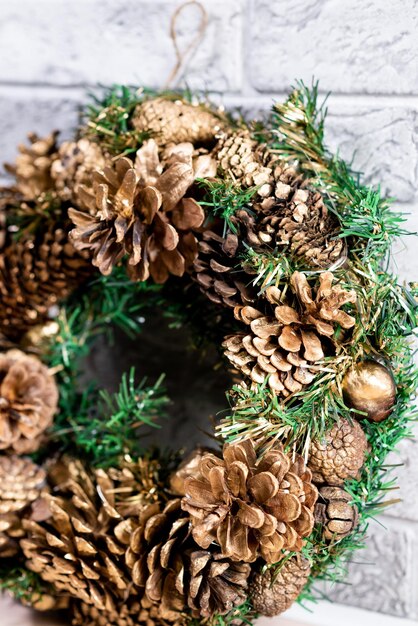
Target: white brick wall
[365, 51]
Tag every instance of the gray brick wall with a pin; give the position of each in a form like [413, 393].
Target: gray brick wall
[365, 51]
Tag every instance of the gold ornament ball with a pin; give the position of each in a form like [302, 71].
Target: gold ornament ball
[369, 387]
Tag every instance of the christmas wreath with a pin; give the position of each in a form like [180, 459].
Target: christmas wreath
[269, 248]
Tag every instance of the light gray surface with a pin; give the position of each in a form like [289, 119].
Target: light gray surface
[364, 50]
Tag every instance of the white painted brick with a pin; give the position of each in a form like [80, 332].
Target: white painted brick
[381, 140]
[108, 41]
[382, 576]
[356, 46]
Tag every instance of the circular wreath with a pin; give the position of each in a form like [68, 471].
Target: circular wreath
[272, 250]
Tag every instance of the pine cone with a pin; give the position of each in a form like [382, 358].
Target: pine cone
[9, 197]
[286, 347]
[140, 211]
[273, 592]
[336, 513]
[28, 401]
[175, 573]
[251, 506]
[73, 166]
[21, 484]
[295, 221]
[32, 169]
[217, 272]
[37, 270]
[128, 613]
[339, 455]
[241, 159]
[80, 549]
[188, 467]
[176, 121]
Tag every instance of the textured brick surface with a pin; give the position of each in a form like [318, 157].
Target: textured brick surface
[106, 41]
[381, 576]
[358, 46]
[365, 51]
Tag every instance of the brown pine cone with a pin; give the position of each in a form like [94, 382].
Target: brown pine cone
[174, 573]
[295, 221]
[176, 121]
[32, 168]
[336, 513]
[142, 212]
[339, 455]
[80, 549]
[21, 484]
[273, 592]
[129, 612]
[241, 159]
[37, 271]
[217, 270]
[9, 198]
[286, 347]
[74, 165]
[188, 467]
[28, 401]
[251, 506]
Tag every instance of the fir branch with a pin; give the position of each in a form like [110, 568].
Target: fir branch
[111, 432]
[22, 584]
[224, 198]
[297, 134]
[108, 120]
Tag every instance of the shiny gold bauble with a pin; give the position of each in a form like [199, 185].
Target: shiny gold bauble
[369, 387]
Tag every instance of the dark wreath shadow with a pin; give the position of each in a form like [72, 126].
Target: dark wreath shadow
[195, 380]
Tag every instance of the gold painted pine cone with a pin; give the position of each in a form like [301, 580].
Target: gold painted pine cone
[336, 513]
[286, 346]
[80, 548]
[32, 168]
[240, 158]
[21, 484]
[274, 592]
[73, 166]
[176, 121]
[251, 506]
[339, 454]
[140, 211]
[173, 573]
[28, 401]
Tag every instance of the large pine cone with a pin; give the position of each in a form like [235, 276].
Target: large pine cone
[217, 270]
[28, 401]
[174, 573]
[241, 159]
[21, 484]
[36, 272]
[32, 168]
[74, 165]
[336, 513]
[285, 347]
[273, 592]
[339, 455]
[141, 211]
[295, 221]
[176, 121]
[251, 506]
[80, 549]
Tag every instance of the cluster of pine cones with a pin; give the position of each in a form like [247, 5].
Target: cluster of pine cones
[112, 550]
[115, 552]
